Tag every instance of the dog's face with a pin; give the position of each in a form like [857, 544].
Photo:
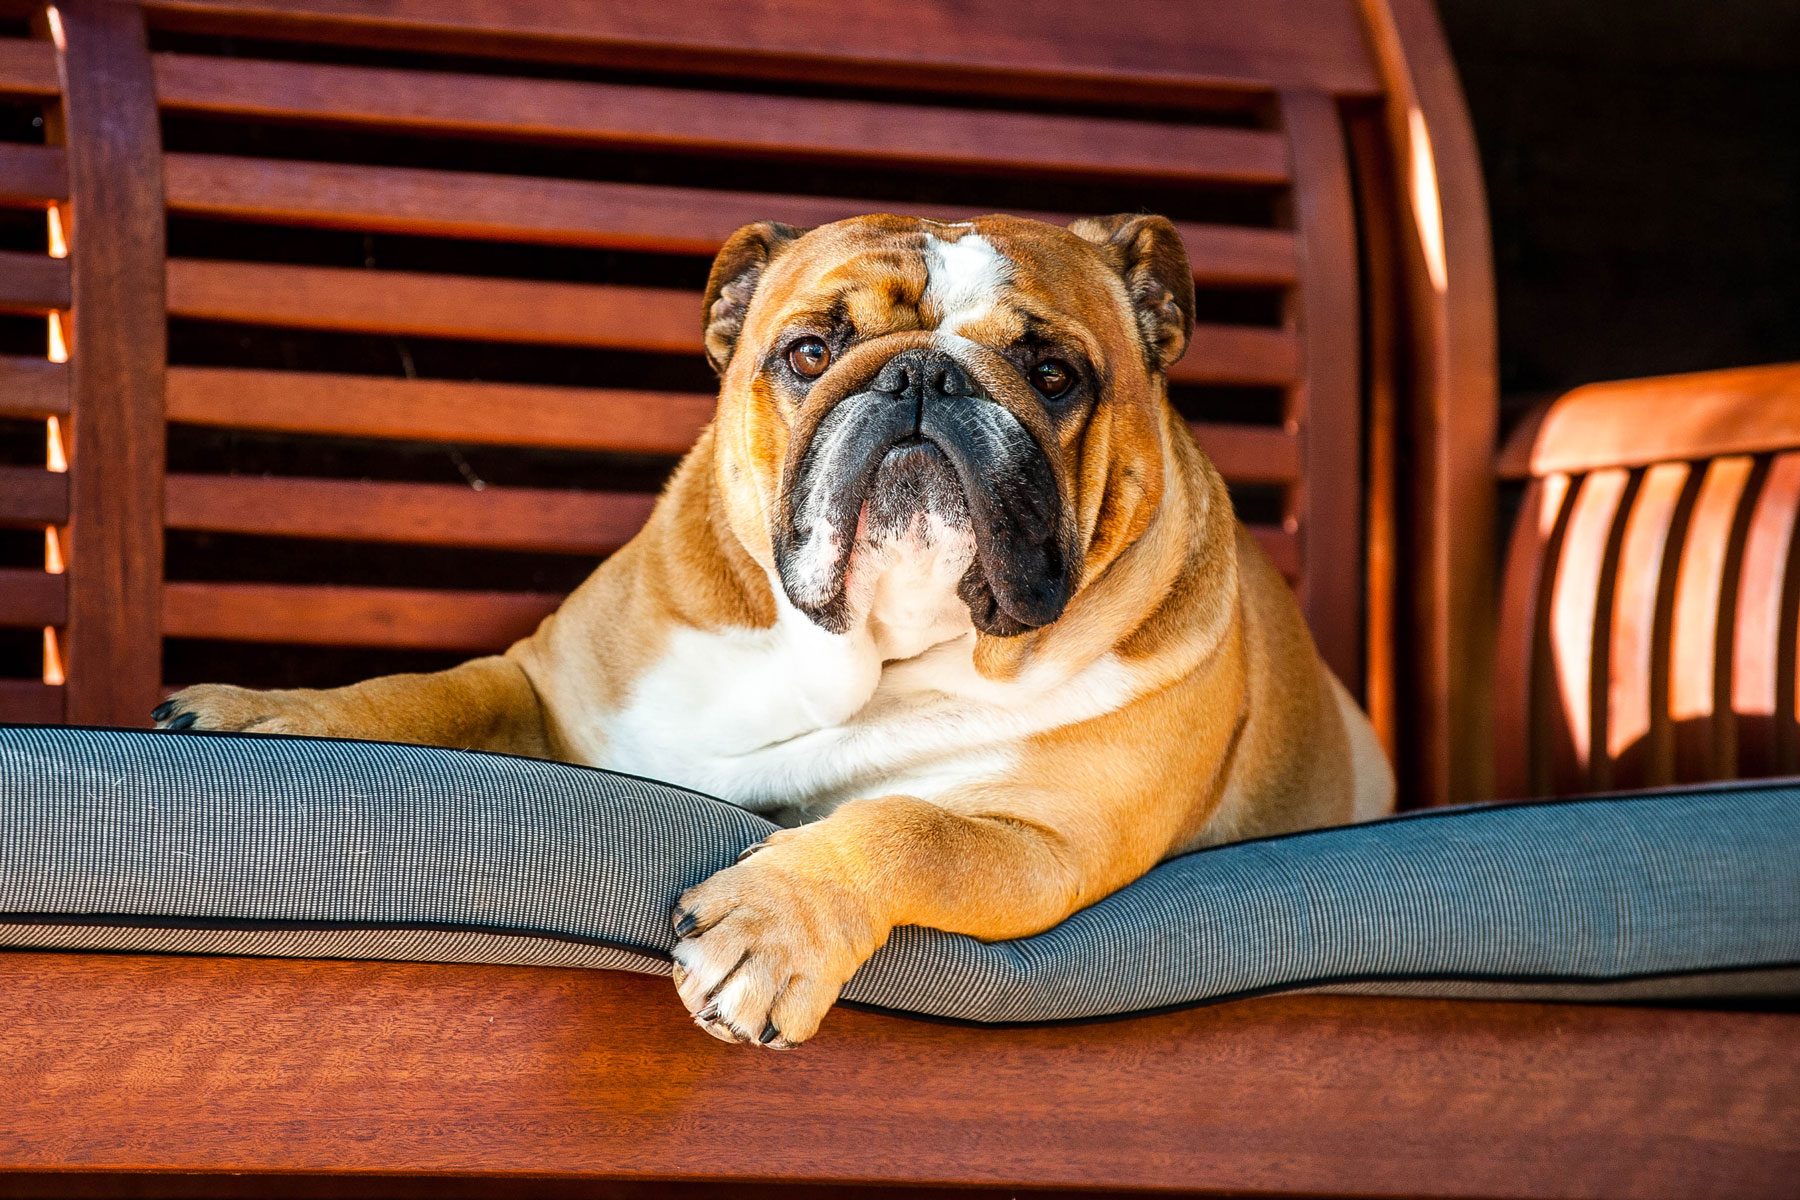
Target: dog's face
[996, 384]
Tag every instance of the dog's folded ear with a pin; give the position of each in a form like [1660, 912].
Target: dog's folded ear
[1148, 254]
[735, 274]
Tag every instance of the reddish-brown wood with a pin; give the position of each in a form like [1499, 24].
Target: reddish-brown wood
[32, 283]
[1762, 659]
[28, 69]
[1451, 409]
[1639, 738]
[437, 410]
[978, 47]
[1232, 354]
[115, 442]
[708, 122]
[1580, 628]
[1326, 501]
[660, 320]
[33, 387]
[1523, 668]
[427, 513]
[29, 496]
[1250, 453]
[32, 598]
[30, 703]
[395, 618]
[33, 175]
[672, 220]
[1705, 598]
[267, 1066]
[1637, 422]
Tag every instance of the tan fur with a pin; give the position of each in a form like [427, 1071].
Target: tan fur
[1251, 733]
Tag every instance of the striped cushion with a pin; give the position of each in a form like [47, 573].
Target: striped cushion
[238, 844]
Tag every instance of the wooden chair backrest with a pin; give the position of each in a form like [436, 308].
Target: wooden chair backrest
[1652, 586]
[537, 188]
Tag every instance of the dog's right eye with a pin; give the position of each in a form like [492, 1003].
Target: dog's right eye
[809, 357]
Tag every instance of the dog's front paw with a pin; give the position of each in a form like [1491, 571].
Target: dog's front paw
[220, 706]
[764, 950]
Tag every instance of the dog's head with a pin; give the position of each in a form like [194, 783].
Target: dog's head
[1001, 378]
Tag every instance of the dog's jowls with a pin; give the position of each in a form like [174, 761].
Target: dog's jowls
[947, 589]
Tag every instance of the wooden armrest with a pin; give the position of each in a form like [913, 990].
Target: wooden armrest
[1669, 418]
[590, 1081]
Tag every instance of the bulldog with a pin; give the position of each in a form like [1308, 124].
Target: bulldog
[946, 588]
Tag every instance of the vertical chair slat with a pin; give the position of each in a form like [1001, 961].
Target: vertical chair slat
[1580, 627]
[1637, 734]
[111, 138]
[1521, 660]
[1764, 594]
[1705, 595]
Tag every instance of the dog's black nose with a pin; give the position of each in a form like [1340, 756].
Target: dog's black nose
[921, 375]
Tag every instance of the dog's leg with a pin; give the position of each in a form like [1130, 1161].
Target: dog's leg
[766, 945]
[483, 704]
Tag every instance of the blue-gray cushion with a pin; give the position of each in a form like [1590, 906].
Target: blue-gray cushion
[320, 848]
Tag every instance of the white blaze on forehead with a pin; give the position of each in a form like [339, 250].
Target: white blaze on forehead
[963, 278]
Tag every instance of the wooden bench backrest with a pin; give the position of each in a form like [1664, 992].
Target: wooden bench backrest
[541, 185]
[1652, 586]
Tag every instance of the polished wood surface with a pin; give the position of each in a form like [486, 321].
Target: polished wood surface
[33, 387]
[1652, 599]
[267, 1066]
[392, 618]
[108, 127]
[32, 176]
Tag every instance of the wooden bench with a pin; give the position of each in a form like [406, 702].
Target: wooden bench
[357, 327]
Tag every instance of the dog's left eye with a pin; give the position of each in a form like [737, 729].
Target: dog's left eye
[809, 357]
[1053, 377]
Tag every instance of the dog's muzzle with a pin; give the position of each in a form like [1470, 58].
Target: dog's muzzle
[923, 404]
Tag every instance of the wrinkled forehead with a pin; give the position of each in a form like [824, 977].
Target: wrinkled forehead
[995, 280]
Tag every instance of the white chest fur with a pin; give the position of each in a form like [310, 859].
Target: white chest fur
[798, 720]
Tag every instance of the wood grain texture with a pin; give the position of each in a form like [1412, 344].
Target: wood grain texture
[329, 615]
[977, 47]
[30, 598]
[1523, 699]
[29, 702]
[438, 410]
[1451, 409]
[1326, 402]
[149, 1064]
[629, 216]
[33, 387]
[1750, 410]
[537, 519]
[28, 69]
[739, 124]
[1232, 354]
[116, 449]
[32, 283]
[30, 496]
[33, 176]
[1762, 657]
[1580, 630]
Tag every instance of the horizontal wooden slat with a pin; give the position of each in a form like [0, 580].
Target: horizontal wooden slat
[1282, 547]
[423, 513]
[1637, 422]
[392, 618]
[633, 216]
[449, 306]
[27, 68]
[29, 496]
[437, 410]
[33, 387]
[511, 310]
[32, 283]
[27, 702]
[32, 597]
[33, 175]
[1250, 453]
[1175, 52]
[1231, 354]
[710, 122]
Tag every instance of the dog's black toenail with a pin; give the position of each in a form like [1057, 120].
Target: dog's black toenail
[769, 1033]
[685, 924]
[184, 721]
[161, 712]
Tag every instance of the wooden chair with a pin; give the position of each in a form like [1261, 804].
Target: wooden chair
[193, 322]
[1652, 586]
